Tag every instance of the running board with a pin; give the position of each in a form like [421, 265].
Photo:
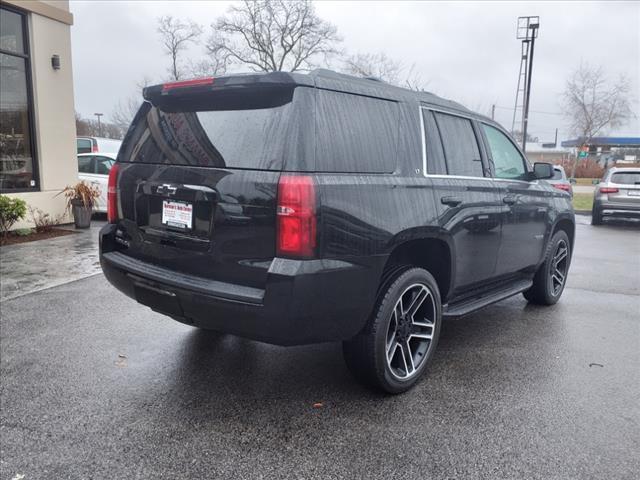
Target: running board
[471, 305]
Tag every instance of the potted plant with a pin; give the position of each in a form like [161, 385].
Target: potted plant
[81, 198]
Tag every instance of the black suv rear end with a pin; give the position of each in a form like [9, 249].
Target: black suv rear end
[292, 208]
[218, 213]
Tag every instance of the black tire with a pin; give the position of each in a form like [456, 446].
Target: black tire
[366, 354]
[546, 289]
[596, 215]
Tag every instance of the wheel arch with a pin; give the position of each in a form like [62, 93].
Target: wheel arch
[568, 225]
[430, 250]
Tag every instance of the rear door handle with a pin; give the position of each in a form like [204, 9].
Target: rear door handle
[509, 199]
[451, 201]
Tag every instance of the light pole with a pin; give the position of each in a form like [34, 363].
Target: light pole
[527, 32]
[98, 115]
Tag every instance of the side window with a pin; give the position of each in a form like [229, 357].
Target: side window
[85, 164]
[460, 145]
[506, 158]
[434, 152]
[355, 133]
[83, 145]
[103, 165]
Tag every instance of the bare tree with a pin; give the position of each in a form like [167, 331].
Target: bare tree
[209, 67]
[376, 65]
[90, 128]
[273, 35]
[593, 104]
[124, 111]
[176, 35]
[379, 65]
[413, 80]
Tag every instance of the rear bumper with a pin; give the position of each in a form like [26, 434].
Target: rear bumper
[304, 301]
[618, 209]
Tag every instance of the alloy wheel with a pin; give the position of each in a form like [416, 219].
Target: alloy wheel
[559, 267]
[411, 330]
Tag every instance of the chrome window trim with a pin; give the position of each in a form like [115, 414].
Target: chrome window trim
[462, 177]
[424, 142]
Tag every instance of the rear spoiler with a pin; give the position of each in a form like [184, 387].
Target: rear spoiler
[166, 93]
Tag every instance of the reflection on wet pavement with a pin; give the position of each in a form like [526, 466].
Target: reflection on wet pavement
[33, 266]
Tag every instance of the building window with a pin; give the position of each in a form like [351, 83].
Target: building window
[18, 166]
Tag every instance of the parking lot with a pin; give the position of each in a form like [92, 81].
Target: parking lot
[97, 386]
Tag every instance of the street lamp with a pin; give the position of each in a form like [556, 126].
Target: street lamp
[98, 115]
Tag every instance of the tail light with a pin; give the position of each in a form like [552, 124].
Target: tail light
[112, 194]
[296, 225]
[562, 186]
[608, 190]
[198, 82]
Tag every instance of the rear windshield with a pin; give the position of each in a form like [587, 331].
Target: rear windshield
[226, 136]
[557, 174]
[626, 178]
[84, 145]
[308, 130]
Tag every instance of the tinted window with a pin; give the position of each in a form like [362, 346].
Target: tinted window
[460, 145]
[435, 154]
[506, 158]
[557, 174]
[103, 165]
[85, 165]
[11, 36]
[239, 135]
[355, 133]
[83, 145]
[17, 165]
[626, 178]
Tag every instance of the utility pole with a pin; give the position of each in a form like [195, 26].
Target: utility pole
[493, 111]
[527, 32]
[98, 115]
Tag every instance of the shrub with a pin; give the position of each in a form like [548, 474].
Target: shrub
[11, 210]
[585, 168]
[81, 193]
[44, 222]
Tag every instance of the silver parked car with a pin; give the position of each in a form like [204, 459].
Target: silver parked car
[560, 180]
[617, 195]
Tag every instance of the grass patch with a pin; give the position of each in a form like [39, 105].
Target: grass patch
[582, 201]
[585, 181]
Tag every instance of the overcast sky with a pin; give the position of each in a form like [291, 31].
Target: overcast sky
[466, 51]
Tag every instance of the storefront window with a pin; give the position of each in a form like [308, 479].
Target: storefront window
[17, 162]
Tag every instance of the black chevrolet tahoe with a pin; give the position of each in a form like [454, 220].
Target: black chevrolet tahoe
[296, 208]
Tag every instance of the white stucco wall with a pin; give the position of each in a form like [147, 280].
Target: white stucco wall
[55, 130]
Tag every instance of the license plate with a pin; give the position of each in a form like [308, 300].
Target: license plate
[177, 214]
[634, 193]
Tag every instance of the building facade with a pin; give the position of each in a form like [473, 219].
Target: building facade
[37, 119]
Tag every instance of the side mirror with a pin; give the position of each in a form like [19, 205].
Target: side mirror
[573, 181]
[542, 170]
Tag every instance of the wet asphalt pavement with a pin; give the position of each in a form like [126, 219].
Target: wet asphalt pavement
[97, 386]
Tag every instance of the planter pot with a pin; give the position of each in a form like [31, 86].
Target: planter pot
[81, 215]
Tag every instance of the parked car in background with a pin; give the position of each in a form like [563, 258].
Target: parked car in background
[97, 145]
[298, 208]
[617, 195]
[560, 180]
[94, 169]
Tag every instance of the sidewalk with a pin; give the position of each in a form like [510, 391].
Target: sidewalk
[32, 266]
